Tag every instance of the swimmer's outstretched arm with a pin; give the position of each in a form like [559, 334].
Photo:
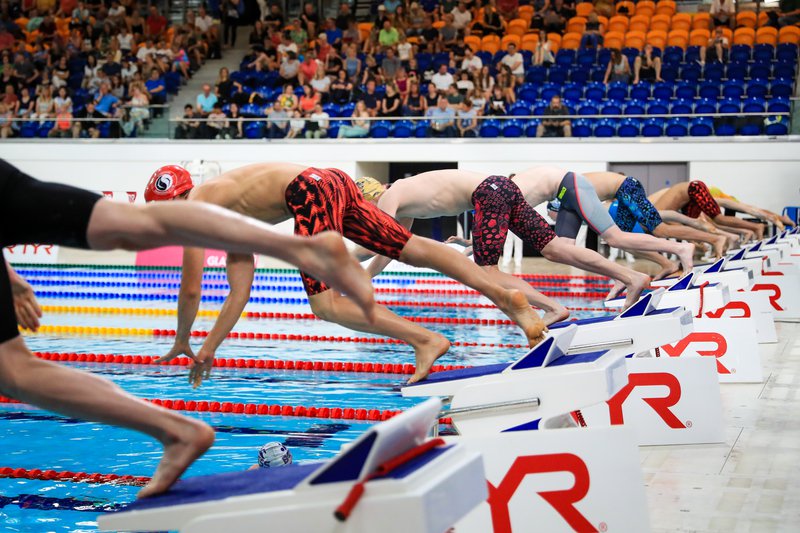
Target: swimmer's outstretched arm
[388, 204]
[188, 303]
[669, 215]
[752, 210]
[25, 305]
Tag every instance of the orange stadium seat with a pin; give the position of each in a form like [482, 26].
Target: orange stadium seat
[571, 41]
[510, 39]
[701, 21]
[789, 34]
[629, 5]
[660, 22]
[618, 23]
[613, 39]
[526, 15]
[679, 38]
[584, 8]
[555, 41]
[364, 29]
[746, 19]
[576, 25]
[490, 43]
[518, 27]
[603, 22]
[762, 18]
[639, 23]
[528, 10]
[767, 35]
[744, 36]
[646, 8]
[681, 21]
[728, 33]
[666, 7]
[530, 41]
[635, 39]
[657, 39]
[473, 41]
[439, 24]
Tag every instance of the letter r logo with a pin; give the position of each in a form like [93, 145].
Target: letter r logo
[660, 405]
[701, 336]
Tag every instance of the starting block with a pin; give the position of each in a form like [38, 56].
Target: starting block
[686, 292]
[429, 493]
[534, 392]
[734, 276]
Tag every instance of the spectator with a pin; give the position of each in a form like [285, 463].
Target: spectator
[138, 112]
[146, 53]
[462, 17]
[390, 65]
[646, 66]
[788, 13]
[155, 25]
[309, 20]
[125, 40]
[553, 21]
[308, 68]
[333, 64]
[26, 108]
[508, 8]
[288, 98]
[45, 106]
[344, 18]
[717, 49]
[723, 12]
[442, 80]
[493, 23]
[189, 127]
[404, 50]
[471, 63]
[447, 34]
[278, 120]
[372, 72]
[341, 89]
[497, 105]
[108, 105]
[206, 101]
[286, 46]
[317, 126]
[7, 39]
[431, 96]
[89, 125]
[129, 70]
[416, 20]
[323, 49]
[370, 99]
[391, 105]
[231, 11]
[321, 84]
[402, 81]
[309, 100]
[618, 68]
[388, 36]
[478, 99]
[507, 83]
[258, 33]
[543, 54]
[217, 124]
[62, 103]
[6, 123]
[465, 84]
[299, 35]
[359, 126]
[234, 130]
[290, 69]
[134, 21]
[60, 73]
[454, 97]
[157, 90]
[555, 127]
[391, 5]
[352, 64]
[203, 21]
[11, 100]
[274, 20]
[381, 18]
[352, 35]
[485, 82]
[442, 120]
[224, 88]
[333, 33]
[593, 33]
[515, 62]
[466, 119]
[430, 36]
[414, 103]
[296, 125]
[263, 60]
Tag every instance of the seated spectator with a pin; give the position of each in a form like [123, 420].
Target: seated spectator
[6, 124]
[372, 72]
[553, 21]
[157, 90]
[333, 33]
[442, 120]
[138, 111]
[11, 100]
[60, 73]
[299, 35]
[593, 33]
[391, 5]
[278, 120]
[430, 36]
[309, 19]
[308, 100]
[555, 127]
[129, 70]
[341, 89]
[390, 65]
[432, 96]
[515, 62]
[288, 99]
[275, 18]
[723, 13]
[507, 83]
[543, 54]
[352, 64]
[493, 23]
[290, 69]
[27, 104]
[225, 86]
[788, 13]
[322, 49]
[296, 125]
[465, 84]
[125, 40]
[263, 59]
[217, 124]
[333, 64]
[206, 101]
[370, 99]
[180, 60]
[391, 104]
[45, 106]
[618, 68]
[442, 80]
[203, 22]
[155, 25]
[462, 17]
[321, 84]
[416, 20]
[351, 36]
[478, 100]
[359, 127]
[258, 33]
[414, 104]
[508, 8]
[318, 124]
[404, 50]
[189, 126]
[62, 102]
[308, 68]
[286, 46]
[466, 119]
[471, 63]
[448, 35]
[484, 81]
[88, 126]
[402, 81]
[388, 36]
[497, 105]
[454, 97]
[235, 122]
[717, 49]
[134, 21]
[646, 66]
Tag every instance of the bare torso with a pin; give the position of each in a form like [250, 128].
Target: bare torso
[433, 194]
[539, 184]
[257, 190]
[605, 183]
[672, 198]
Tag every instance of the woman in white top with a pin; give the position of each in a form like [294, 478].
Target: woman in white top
[138, 110]
[321, 83]
[543, 55]
[91, 80]
[45, 106]
[62, 102]
[485, 81]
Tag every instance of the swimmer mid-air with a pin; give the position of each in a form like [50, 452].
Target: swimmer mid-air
[319, 200]
[32, 211]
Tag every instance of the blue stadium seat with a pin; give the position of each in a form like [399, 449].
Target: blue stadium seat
[443, 58]
[691, 72]
[565, 57]
[549, 90]
[754, 105]
[617, 91]
[681, 107]
[597, 74]
[581, 128]
[632, 53]
[779, 105]
[252, 110]
[692, 54]
[752, 128]
[44, 128]
[670, 71]
[786, 51]
[709, 89]
[603, 57]
[724, 129]
[705, 105]
[520, 109]
[629, 127]
[672, 55]
[589, 107]
[763, 52]
[777, 126]
[760, 71]
[346, 110]
[580, 75]
[594, 91]
[677, 127]
[403, 129]
[713, 71]
[780, 89]
[740, 53]
[535, 74]
[254, 130]
[729, 106]
[28, 130]
[531, 126]
[605, 127]
[663, 90]
[105, 130]
[486, 57]
[784, 70]
[513, 128]
[539, 109]
[641, 91]
[380, 129]
[732, 89]
[611, 108]
[635, 107]
[701, 127]
[528, 92]
[757, 89]
[527, 57]
[572, 91]
[421, 130]
[172, 81]
[490, 128]
[558, 74]
[586, 57]
[658, 107]
[685, 89]
[653, 127]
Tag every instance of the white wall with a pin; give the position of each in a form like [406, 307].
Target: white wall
[762, 171]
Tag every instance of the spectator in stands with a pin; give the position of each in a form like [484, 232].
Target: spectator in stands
[442, 120]
[788, 13]
[6, 124]
[403, 82]
[206, 101]
[723, 13]
[296, 125]
[388, 36]
[308, 68]
[465, 84]
[448, 34]
[462, 17]
[508, 8]
[344, 17]
[553, 21]
[60, 73]
[454, 97]
[484, 81]
[332, 33]
[618, 68]
[416, 20]
[263, 59]
[359, 126]
[231, 11]
[352, 64]
[391, 5]
[189, 127]
[372, 72]
[352, 35]
[414, 104]
[7, 38]
[430, 35]
[309, 19]
[224, 87]
[466, 119]
[497, 104]
[286, 46]
[45, 106]
[278, 119]
[308, 100]
[341, 89]
[391, 104]
[26, 108]
[647, 67]
[258, 33]
[203, 22]
[155, 25]
[507, 83]
[157, 90]
[717, 49]
[515, 62]
[322, 49]
[390, 65]
[370, 99]
[138, 113]
[274, 20]
[318, 124]
[321, 85]
[10, 99]
[593, 33]
[288, 99]
[235, 122]
[299, 35]
[290, 69]
[217, 124]
[134, 21]
[471, 63]
[478, 100]
[89, 125]
[62, 103]
[431, 96]
[555, 127]
[442, 79]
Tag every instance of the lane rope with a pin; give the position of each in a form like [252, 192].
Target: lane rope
[73, 477]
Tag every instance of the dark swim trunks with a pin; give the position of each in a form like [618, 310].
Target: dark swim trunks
[34, 212]
[328, 199]
[500, 206]
[635, 207]
[700, 200]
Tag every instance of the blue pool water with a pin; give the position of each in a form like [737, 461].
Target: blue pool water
[32, 438]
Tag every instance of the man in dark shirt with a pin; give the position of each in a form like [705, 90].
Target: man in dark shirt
[555, 128]
[429, 34]
[370, 99]
[91, 127]
[344, 17]
[189, 128]
[111, 67]
[275, 18]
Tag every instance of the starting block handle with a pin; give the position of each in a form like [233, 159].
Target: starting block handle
[536, 402]
[598, 346]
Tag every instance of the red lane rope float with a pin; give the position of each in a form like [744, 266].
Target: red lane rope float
[222, 362]
[73, 477]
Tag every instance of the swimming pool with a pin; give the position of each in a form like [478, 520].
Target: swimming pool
[121, 311]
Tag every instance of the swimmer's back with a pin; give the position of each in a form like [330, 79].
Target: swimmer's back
[434, 194]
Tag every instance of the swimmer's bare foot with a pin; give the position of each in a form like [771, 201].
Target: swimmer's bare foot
[555, 315]
[326, 258]
[427, 354]
[720, 247]
[672, 268]
[516, 307]
[639, 283]
[686, 256]
[616, 290]
[191, 440]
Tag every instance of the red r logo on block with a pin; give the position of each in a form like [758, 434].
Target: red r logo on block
[660, 405]
[774, 297]
[742, 306]
[704, 336]
[563, 501]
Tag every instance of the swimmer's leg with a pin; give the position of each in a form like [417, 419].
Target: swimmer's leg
[679, 231]
[83, 395]
[553, 311]
[647, 243]
[428, 346]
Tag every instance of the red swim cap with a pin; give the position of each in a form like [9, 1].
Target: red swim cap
[168, 182]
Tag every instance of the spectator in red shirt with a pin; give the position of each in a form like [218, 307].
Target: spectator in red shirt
[508, 8]
[156, 24]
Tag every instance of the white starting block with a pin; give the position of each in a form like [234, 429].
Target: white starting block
[534, 392]
[429, 493]
[734, 276]
[686, 292]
